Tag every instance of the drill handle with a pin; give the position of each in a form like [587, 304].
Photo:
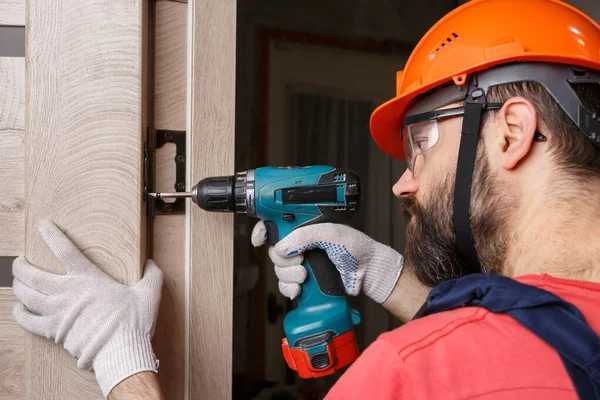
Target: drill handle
[318, 265]
[326, 275]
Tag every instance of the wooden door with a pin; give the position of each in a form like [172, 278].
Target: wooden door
[12, 193]
[74, 119]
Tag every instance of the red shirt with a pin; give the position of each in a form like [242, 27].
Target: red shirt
[469, 353]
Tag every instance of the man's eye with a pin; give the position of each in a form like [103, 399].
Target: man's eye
[421, 144]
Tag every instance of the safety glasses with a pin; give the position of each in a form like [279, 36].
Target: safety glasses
[420, 132]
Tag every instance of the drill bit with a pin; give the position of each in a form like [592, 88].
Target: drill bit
[176, 195]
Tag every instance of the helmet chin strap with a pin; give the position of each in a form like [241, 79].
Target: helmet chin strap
[475, 104]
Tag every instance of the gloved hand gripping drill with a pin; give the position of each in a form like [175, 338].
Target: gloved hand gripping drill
[319, 333]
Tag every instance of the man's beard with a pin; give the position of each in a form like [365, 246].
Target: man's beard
[430, 241]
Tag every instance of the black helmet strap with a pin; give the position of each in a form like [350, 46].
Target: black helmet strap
[465, 244]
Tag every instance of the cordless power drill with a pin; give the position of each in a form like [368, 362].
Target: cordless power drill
[319, 333]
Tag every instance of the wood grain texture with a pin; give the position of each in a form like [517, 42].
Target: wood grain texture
[211, 97]
[12, 93]
[12, 12]
[12, 197]
[12, 350]
[169, 230]
[170, 67]
[85, 118]
[12, 155]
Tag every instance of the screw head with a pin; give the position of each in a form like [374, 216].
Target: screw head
[168, 136]
[180, 185]
[180, 158]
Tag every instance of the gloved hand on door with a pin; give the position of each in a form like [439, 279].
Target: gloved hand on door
[107, 326]
[365, 265]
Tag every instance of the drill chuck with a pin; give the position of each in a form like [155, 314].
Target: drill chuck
[226, 193]
[215, 194]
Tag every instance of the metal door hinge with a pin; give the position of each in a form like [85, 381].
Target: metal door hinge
[156, 139]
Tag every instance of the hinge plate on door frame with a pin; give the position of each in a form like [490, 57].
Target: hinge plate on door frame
[156, 139]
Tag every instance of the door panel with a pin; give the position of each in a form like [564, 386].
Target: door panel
[84, 166]
[12, 350]
[12, 12]
[12, 203]
[12, 150]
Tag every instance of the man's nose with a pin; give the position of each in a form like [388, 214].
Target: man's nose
[406, 186]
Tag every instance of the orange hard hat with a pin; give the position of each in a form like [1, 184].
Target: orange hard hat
[478, 36]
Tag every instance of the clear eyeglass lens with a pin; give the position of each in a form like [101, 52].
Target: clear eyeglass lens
[419, 138]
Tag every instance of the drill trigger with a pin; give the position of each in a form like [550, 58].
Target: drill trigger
[272, 232]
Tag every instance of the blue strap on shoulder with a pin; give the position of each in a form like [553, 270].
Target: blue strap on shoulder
[558, 323]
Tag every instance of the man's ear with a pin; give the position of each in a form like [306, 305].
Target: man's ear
[519, 123]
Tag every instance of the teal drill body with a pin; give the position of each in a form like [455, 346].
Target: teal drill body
[287, 198]
[319, 332]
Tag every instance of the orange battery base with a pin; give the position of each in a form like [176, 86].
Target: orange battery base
[342, 351]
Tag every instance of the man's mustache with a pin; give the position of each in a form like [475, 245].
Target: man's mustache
[409, 207]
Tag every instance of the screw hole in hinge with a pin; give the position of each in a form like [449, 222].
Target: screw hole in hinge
[156, 139]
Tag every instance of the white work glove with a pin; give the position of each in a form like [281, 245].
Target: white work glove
[364, 264]
[107, 326]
